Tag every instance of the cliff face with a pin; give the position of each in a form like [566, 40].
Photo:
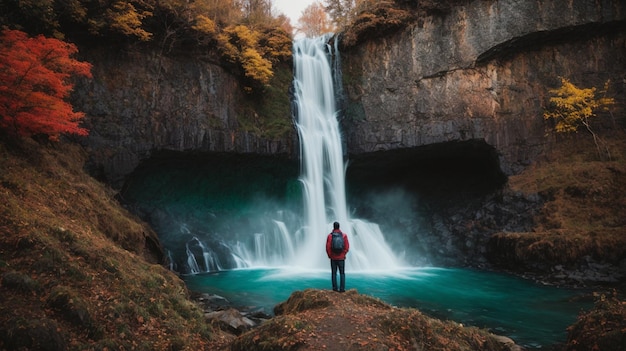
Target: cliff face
[140, 102]
[476, 72]
[480, 72]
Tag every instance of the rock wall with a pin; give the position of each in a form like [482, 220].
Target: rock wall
[481, 71]
[478, 72]
[139, 102]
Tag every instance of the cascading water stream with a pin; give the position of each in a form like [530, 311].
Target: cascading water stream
[323, 167]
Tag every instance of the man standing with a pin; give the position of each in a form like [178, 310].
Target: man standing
[337, 246]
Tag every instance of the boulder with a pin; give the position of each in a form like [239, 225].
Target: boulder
[231, 320]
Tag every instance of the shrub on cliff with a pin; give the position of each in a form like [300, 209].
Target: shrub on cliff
[375, 19]
[572, 107]
[381, 19]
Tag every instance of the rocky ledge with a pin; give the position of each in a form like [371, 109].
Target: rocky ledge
[319, 320]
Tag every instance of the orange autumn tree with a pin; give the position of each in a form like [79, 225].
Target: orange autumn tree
[35, 81]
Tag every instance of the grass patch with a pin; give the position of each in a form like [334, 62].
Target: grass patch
[433, 334]
[301, 301]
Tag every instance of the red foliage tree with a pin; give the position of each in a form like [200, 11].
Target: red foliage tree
[35, 80]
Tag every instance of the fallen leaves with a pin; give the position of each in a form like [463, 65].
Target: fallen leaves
[353, 322]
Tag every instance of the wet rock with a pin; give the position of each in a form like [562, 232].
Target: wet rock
[211, 302]
[461, 233]
[231, 320]
[508, 343]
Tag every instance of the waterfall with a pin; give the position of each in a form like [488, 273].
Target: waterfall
[282, 238]
[323, 167]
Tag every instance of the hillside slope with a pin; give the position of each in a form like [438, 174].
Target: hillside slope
[77, 270]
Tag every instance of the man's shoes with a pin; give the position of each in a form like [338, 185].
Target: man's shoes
[335, 289]
[342, 291]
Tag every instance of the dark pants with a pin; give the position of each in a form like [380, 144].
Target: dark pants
[341, 264]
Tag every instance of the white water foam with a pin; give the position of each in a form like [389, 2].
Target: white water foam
[323, 167]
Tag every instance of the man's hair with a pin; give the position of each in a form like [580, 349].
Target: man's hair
[336, 225]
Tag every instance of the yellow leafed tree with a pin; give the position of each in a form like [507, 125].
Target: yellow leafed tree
[255, 66]
[128, 20]
[572, 107]
[205, 25]
[240, 45]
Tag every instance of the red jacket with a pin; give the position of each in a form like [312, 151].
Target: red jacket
[341, 255]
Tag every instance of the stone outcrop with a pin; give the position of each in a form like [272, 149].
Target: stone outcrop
[141, 101]
[481, 71]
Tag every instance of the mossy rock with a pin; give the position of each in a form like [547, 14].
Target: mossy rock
[20, 282]
[33, 334]
[71, 307]
[301, 301]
